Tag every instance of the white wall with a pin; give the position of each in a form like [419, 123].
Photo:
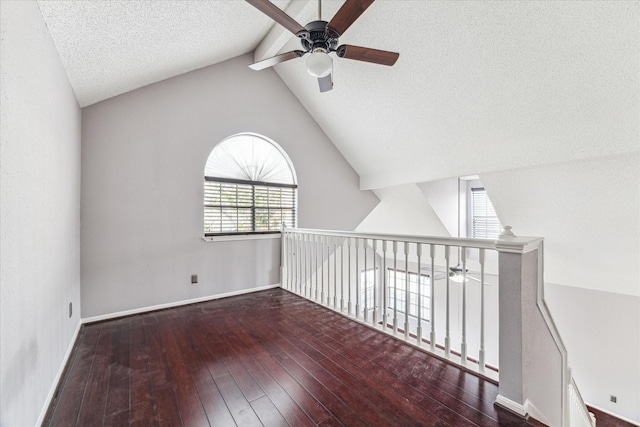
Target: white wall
[143, 161]
[589, 214]
[587, 211]
[40, 210]
[403, 210]
[600, 330]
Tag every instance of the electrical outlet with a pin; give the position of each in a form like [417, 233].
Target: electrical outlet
[70, 309]
[613, 398]
[194, 278]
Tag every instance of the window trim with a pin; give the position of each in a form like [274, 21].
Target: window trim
[234, 237]
[254, 235]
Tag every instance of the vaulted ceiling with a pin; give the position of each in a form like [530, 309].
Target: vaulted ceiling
[479, 86]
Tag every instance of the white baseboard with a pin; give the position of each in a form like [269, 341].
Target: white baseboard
[173, 304]
[533, 412]
[58, 377]
[511, 406]
[613, 414]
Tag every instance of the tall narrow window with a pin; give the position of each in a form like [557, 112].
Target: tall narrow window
[249, 187]
[485, 223]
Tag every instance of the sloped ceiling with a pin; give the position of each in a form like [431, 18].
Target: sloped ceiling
[479, 86]
[112, 47]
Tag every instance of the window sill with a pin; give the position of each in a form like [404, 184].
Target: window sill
[231, 237]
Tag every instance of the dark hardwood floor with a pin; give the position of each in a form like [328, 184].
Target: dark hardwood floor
[269, 358]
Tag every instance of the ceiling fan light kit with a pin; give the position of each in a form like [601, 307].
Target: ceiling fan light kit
[319, 63]
[456, 273]
[319, 38]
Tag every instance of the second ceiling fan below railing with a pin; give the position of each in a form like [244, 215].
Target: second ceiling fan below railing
[319, 38]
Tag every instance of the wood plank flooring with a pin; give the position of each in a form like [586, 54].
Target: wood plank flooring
[268, 358]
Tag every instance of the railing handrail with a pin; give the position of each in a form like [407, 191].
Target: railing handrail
[465, 242]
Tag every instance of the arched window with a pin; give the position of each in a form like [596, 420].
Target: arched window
[249, 187]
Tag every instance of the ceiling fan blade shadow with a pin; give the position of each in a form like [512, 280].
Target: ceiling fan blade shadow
[278, 15]
[274, 60]
[325, 83]
[367, 54]
[347, 15]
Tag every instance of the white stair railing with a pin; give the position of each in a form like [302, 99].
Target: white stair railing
[407, 287]
[579, 415]
[383, 281]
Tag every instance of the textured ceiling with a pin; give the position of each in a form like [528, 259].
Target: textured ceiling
[112, 47]
[479, 86]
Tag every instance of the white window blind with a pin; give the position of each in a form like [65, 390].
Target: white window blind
[234, 206]
[485, 222]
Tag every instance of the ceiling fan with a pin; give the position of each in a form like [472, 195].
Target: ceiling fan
[455, 274]
[319, 38]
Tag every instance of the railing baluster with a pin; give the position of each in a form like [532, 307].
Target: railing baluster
[481, 352]
[349, 276]
[407, 295]
[315, 248]
[286, 260]
[419, 327]
[366, 282]
[299, 263]
[447, 337]
[357, 279]
[395, 287]
[305, 264]
[292, 265]
[335, 272]
[328, 240]
[374, 319]
[302, 256]
[342, 275]
[463, 344]
[432, 282]
[322, 269]
[310, 267]
[293, 282]
[385, 316]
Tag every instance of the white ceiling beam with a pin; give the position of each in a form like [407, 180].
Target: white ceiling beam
[303, 12]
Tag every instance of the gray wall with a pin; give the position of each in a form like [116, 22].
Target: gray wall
[40, 214]
[143, 158]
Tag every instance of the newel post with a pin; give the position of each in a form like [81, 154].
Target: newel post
[518, 278]
[283, 253]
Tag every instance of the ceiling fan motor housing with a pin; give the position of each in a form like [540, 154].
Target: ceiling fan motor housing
[319, 37]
